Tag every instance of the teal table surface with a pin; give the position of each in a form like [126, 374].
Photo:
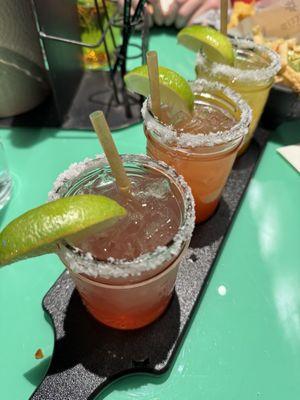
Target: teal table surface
[244, 340]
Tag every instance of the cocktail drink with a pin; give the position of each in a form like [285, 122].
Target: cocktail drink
[202, 147]
[91, 30]
[251, 75]
[126, 274]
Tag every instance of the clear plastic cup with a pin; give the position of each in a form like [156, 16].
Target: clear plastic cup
[5, 179]
[252, 76]
[127, 294]
[204, 160]
[129, 306]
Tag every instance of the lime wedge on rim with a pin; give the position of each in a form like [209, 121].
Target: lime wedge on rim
[39, 230]
[216, 46]
[174, 89]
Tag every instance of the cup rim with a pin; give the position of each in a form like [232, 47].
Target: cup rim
[82, 262]
[255, 75]
[169, 136]
[136, 284]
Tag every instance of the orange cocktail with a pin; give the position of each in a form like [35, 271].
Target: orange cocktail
[126, 274]
[202, 147]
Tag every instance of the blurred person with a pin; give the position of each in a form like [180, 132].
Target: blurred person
[189, 10]
[179, 12]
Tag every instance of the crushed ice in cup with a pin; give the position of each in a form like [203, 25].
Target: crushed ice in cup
[158, 188]
[80, 261]
[153, 217]
[205, 119]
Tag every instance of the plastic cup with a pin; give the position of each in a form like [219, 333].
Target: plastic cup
[252, 78]
[127, 294]
[204, 160]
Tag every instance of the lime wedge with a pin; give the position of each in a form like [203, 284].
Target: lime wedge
[174, 89]
[39, 230]
[216, 46]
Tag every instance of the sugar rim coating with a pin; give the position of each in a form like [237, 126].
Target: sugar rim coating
[254, 75]
[169, 136]
[81, 262]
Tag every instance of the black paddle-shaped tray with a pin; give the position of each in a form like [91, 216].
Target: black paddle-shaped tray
[87, 356]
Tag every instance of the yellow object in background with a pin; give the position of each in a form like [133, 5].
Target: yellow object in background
[289, 53]
[240, 11]
[97, 58]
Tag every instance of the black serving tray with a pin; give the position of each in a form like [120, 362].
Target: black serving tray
[87, 355]
[283, 105]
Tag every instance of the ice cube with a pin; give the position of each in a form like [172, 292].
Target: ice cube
[158, 188]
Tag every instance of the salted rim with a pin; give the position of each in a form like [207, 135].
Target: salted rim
[256, 75]
[81, 262]
[170, 136]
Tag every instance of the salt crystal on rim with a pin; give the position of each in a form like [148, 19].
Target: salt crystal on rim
[81, 262]
[187, 140]
[241, 75]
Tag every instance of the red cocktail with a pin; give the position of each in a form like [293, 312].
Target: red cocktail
[126, 274]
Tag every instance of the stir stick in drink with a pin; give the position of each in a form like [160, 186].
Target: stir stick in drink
[153, 73]
[224, 16]
[104, 134]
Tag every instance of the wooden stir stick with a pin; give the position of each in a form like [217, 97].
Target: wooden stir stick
[104, 134]
[224, 16]
[153, 73]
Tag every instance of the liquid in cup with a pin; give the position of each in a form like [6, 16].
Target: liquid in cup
[252, 76]
[202, 147]
[126, 274]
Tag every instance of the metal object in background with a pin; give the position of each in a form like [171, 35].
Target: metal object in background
[23, 78]
[76, 89]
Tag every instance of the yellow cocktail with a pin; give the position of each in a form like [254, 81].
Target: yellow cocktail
[251, 75]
